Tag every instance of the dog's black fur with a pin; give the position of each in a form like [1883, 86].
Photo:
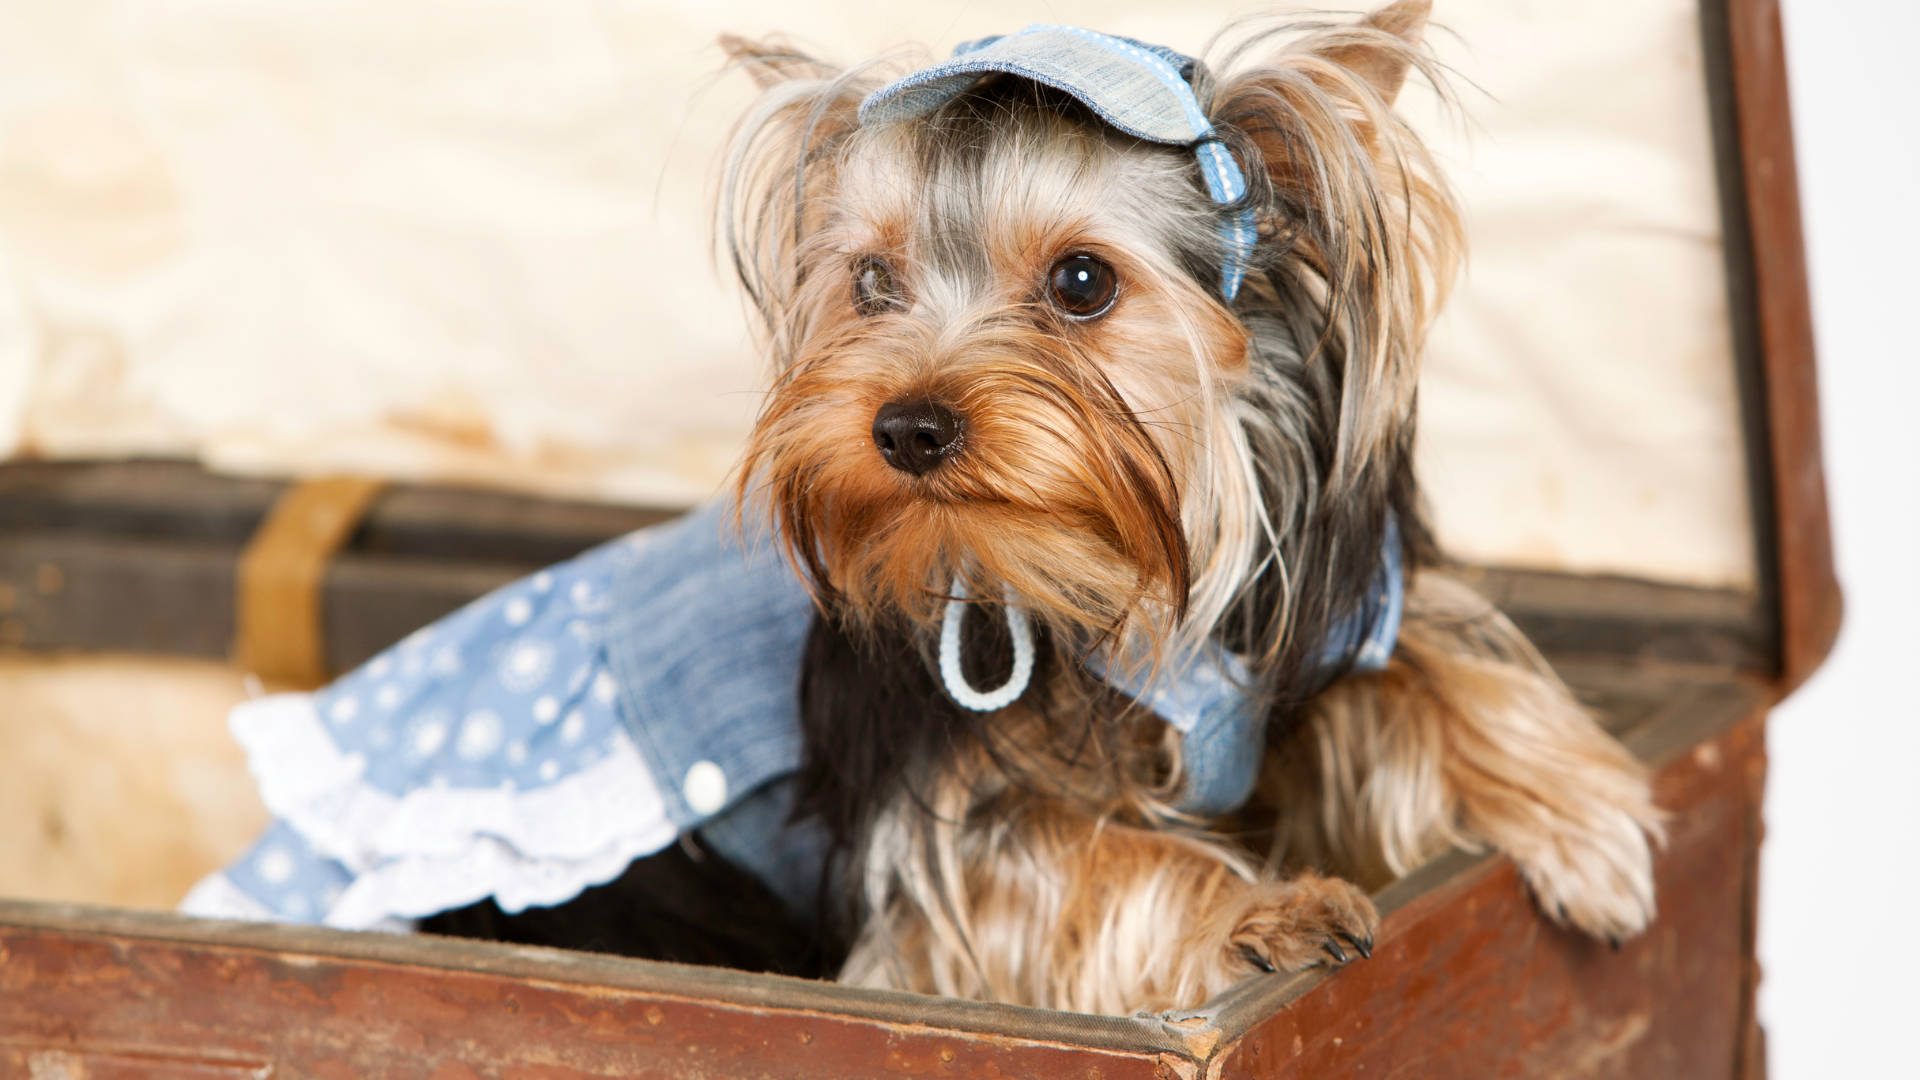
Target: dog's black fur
[683, 905]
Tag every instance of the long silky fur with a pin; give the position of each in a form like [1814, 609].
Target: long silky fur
[1468, 740]
[1183, 475]
[1298, 465]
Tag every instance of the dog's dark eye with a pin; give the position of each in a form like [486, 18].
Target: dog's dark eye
[1083, 286]
[874, 288]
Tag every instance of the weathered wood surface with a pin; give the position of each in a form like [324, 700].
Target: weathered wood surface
[1467, 981]
[142, 557]
[106, 1001]
[1773, 326]
[283, 1001]
[1473, 985]
[148, 498]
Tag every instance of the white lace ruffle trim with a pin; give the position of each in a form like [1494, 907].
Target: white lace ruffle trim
[438, 847]
[216, 897]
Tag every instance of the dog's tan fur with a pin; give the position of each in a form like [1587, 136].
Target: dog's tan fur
[1151, 480]
[1468, 739]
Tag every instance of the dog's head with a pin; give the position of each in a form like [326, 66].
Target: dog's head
[1004, 353]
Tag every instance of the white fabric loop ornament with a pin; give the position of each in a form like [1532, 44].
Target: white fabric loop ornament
[963, 692]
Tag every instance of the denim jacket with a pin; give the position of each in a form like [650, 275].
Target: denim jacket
[706, 642]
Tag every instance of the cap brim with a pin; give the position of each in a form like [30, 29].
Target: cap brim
[1130, 88]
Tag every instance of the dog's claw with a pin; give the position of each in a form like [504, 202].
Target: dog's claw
[1614, 942]
[1253, 957]
[1307, 922]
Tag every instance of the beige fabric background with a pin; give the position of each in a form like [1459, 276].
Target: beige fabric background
[120, 784]
[466, 241]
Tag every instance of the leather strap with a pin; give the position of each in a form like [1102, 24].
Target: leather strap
[280, 628]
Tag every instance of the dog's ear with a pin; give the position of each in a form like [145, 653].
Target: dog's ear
[1358, 243]
[782, 156]
[1356, 226]
[1381, 48]
[771, 61]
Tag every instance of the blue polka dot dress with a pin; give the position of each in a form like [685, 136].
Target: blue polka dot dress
[536, 742]
[484, 755]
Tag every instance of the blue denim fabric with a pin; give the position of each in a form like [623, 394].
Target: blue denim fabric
[689, 640]
[706, 640]
[509, 690]
[287, 876]
[1139, 89]
[1222, 739]
[708, 636]
[1368, 635]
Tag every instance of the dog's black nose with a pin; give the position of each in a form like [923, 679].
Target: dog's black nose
[915, 436]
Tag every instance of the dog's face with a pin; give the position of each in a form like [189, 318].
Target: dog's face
[1005, 368]
[1003, 356]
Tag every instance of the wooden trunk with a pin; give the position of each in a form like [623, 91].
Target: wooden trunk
[1467, 980]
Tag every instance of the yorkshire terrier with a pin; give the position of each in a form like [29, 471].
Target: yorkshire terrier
[1145, 420]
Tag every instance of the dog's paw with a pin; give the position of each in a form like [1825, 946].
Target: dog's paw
[1595, 875]
[1297, 924]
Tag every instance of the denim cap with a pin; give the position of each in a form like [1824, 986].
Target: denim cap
[1141, 90]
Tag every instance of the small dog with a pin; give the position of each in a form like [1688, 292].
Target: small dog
[1012, 362]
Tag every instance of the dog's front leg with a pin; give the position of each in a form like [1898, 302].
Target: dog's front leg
[1469, 739]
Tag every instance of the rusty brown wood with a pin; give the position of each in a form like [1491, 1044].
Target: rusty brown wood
[146, 552]
[116, 999]
[1807, 591]
[179, 499]
[1467, 980]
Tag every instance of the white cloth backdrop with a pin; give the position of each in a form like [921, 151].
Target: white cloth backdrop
[465, 241]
